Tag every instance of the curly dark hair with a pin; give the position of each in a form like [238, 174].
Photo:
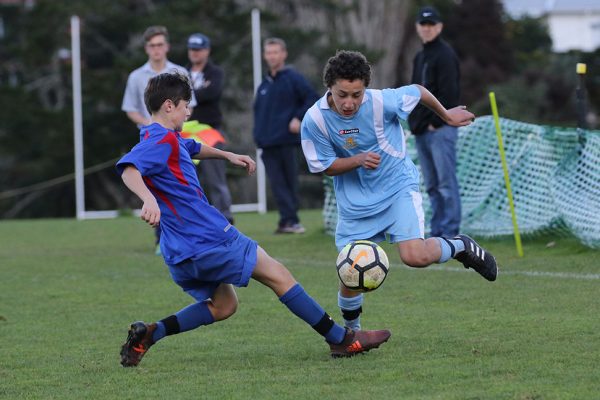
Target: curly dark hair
[348, 65]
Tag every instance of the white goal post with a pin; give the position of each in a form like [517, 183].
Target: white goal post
[81, 213]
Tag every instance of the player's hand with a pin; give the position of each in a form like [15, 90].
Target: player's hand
[243, 161]
[151, 212]
[459, 116]
[294, 125]
[370, 160]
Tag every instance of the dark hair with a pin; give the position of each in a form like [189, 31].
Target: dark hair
[350, 65]
[174, 86]
[155, 30]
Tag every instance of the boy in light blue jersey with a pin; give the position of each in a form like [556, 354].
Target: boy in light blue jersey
[205, 254]
[354, 134]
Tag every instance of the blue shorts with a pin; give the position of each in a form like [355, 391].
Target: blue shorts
[230, 262]
[402, 220]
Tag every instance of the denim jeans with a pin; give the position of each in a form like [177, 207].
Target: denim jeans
[437, 158]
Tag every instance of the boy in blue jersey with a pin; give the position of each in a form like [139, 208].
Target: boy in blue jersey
[205, 254]
[354, 134]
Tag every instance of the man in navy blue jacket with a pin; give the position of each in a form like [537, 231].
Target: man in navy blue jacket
[279, 106]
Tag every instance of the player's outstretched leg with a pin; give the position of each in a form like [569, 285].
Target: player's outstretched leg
[139, 340]
[342, 342]
[476, 257]
[356, 342]
[221, 305]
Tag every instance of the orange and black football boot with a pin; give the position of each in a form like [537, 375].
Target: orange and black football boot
[139, 340]
[356, 342]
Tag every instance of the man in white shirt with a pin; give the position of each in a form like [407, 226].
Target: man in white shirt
[156, 45]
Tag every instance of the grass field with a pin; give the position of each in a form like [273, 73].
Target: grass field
[69, 289]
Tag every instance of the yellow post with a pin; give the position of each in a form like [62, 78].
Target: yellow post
[506, 176]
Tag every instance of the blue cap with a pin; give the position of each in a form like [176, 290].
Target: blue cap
[198, 41]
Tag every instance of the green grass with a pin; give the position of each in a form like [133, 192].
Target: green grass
[69, 289]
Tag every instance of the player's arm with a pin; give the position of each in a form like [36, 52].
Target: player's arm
[367, 160]
[240, 160]
[457, 116]
[134, 182]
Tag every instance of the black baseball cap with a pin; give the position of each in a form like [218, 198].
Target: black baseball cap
[428, 15]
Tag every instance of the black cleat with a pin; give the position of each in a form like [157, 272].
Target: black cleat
[139, 340]
[477, 258]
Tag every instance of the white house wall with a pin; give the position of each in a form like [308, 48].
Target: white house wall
[574, 31]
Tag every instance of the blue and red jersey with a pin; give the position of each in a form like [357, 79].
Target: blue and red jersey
[189, 224]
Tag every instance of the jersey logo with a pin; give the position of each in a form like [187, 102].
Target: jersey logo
[350, 143]
[348, 131]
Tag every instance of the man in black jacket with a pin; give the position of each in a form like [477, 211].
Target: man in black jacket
[207, 81]
[436, 67]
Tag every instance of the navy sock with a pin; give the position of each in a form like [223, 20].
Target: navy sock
[184, 320]
[307, 309]
[351, 308]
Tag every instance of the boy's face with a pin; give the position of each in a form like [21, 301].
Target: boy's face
[347, 96]
[178, 114]
[157, 48]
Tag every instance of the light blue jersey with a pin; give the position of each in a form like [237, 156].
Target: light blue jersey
[326, 136]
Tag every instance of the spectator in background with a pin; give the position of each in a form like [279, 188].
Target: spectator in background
[436, 68]
[207, 82]
[279, 106]
[156, 45]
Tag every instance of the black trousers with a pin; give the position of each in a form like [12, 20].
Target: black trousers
[282, 170]
[214, 182]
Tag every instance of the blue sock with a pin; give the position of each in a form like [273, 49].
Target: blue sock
[301, 304]
[184, 320]
[351, 308]
[446, 250]
[450, 248]
[160, 332]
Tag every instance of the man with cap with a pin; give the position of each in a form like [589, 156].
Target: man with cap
[207, 83]
[436, 67]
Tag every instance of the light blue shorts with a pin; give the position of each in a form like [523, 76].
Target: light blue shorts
[403, 220]
[230, 262]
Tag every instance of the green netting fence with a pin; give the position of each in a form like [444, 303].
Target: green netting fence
[555, 179]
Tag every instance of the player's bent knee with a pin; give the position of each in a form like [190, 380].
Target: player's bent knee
[225, 310]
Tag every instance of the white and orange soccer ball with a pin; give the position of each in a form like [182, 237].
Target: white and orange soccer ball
[362, 266]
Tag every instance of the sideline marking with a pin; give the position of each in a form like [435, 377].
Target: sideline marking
[501, 272]
[545, 274]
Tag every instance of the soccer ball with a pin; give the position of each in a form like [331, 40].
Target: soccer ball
[362, 266]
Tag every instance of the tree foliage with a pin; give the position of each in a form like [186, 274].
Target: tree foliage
[512, 57]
